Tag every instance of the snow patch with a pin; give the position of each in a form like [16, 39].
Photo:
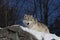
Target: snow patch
[41, 35]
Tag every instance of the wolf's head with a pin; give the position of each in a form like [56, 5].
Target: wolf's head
[28, 20]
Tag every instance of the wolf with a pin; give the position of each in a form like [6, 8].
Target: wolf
[32, 23]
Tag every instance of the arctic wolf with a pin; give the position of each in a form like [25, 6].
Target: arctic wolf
[32, 23]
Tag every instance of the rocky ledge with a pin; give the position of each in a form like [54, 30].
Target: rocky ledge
[14, 32]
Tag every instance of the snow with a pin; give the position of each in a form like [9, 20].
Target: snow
[40, 35]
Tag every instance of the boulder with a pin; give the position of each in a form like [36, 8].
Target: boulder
[14, 32]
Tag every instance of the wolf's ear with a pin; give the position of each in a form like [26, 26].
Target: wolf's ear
[25, 15]
[31, 16]
[36, 20]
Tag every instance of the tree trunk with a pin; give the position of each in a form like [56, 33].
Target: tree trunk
[35, 8]
[46, 12]
[41, 10]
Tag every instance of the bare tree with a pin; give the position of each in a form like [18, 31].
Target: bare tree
[3, 16]
[35, 8]
[41, 10]
[8, 16]
[46, 12]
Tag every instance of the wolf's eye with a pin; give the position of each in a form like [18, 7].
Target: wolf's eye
[31, 19]
[25, 16]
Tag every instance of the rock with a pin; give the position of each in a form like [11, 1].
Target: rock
[14, 32]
